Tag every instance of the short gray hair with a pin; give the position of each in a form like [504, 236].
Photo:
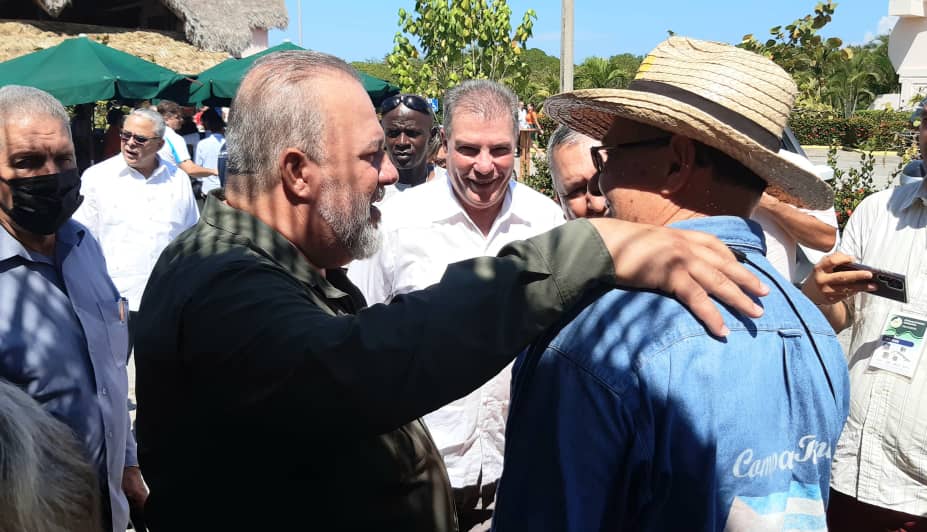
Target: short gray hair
[18, 100]
[562, 136]
[46, 482]
[482, 97]
[277, 107]
[152, 116]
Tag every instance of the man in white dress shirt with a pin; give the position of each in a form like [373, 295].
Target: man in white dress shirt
[135, 203]
[879, 479]
[475, 210]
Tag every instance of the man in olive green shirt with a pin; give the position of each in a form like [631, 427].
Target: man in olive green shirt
[271, 399]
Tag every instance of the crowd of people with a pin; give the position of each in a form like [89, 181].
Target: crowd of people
[370, 324]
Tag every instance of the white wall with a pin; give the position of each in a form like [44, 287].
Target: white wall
[258, 42]
[886, 101]
[907, 47]
[906, 8]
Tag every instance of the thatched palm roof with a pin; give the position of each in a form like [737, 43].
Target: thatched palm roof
[213, 24]
[167, 49]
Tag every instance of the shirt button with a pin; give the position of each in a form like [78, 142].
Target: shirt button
[109, 434]
[103, 391]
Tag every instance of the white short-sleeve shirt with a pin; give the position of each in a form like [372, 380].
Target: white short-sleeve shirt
[207, 156]
[175, 147]
[424, 230]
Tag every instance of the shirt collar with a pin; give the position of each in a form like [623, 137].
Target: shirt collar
[132, 172]
[71, 234]
[919, 191]
[269, 242]
[447, 205]
[732, 230]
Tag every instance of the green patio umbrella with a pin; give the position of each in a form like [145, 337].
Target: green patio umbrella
[217, 85]
[81, 70]
[377, 88]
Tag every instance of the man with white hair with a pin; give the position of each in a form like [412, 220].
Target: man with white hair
[300, 409]
[63, 330]
[135, 204]
[571, 171]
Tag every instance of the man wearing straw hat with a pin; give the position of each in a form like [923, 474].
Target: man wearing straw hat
[631, 416]
[301, 412]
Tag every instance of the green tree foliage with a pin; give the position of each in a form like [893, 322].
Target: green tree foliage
[376, 68]
[540, 179]
[443, 42]
[830, 77]
[878, 62]
[850, 82]
[793, 46]
[851, 187]
[803, 53]
[615, 72]
[542, 79]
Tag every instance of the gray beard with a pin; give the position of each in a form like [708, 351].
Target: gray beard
[352, 228]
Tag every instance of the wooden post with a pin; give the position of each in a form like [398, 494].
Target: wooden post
[524, 144]
[566, 46]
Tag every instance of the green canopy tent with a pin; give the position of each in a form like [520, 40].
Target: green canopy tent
[81, 70]
[216, 86]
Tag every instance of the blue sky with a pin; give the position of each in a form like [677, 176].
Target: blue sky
[356, 30]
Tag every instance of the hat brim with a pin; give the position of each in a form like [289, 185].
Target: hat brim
[592, 112]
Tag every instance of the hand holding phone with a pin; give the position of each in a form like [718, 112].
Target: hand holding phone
[889, 284]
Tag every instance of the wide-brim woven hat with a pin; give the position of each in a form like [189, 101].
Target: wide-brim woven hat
[730, 99]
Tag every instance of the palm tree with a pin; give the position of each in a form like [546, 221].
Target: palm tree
[598, 72]
[850, 84]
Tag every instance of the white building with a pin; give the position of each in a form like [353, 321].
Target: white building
[907, 46]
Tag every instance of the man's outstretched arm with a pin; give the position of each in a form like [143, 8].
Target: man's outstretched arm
[392, 363]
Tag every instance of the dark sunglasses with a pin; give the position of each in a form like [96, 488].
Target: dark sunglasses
[125, 136]
[412, 101]
[599, 161]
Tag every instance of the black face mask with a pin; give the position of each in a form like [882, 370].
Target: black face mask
[41, 204]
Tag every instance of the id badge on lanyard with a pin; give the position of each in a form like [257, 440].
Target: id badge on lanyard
[901, 344]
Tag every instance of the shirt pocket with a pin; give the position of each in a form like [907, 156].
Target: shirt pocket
[910, 426]
[114, 314]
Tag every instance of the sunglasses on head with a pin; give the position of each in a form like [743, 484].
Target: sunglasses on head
[412, 101]
[125, 136]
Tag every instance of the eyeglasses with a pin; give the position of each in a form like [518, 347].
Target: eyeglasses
[600, 153]
[125, 136]
[412, 101]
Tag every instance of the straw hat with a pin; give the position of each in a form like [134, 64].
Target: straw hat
[728, 98]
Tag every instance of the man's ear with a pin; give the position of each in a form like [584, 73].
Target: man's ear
[682, 165]
[299, 175]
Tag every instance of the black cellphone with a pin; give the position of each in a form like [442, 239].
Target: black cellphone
[890, 285]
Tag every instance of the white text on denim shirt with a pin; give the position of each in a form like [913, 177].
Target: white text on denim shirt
[809, 449]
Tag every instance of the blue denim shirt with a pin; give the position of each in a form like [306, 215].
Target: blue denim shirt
[633, 417]
[63, 342]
